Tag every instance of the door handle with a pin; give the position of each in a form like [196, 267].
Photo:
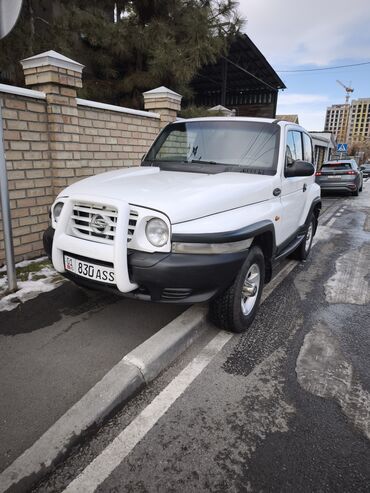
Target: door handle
[304, 187]
[276, 192]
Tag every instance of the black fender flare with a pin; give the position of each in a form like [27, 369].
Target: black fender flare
[250, 231]
[316, 204]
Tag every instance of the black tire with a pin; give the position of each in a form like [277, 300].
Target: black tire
[226, 310]
[304, 248]
[355, 193]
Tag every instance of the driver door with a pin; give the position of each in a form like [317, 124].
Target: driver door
[293, 189]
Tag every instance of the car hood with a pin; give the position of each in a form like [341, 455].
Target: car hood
[182, 196]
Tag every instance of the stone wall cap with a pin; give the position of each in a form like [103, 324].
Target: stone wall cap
[162, 91]
[21, 91]
[111, 107]
[53, 58]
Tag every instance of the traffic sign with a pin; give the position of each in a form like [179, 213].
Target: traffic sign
[9, 12]
[342, 147]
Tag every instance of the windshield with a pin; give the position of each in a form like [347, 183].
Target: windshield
[246, 144]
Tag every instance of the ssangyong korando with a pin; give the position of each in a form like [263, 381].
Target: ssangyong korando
[215, 203]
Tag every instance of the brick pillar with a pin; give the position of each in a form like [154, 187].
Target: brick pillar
[58, 77]
[163, 101]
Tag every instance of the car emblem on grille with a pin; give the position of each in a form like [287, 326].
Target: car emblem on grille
[98, 224]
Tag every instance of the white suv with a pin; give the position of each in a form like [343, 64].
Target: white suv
[214, 204]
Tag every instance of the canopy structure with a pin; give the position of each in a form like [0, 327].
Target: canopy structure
[242, 80]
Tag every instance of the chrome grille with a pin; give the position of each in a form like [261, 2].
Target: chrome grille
[132, 220]
[98, 222]
[94, 222]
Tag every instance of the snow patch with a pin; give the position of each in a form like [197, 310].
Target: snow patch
[30, 288]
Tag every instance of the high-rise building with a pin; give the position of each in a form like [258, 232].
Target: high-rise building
[359, 120]
[336, 121]
[349, 123]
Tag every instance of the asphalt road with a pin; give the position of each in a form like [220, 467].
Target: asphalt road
[55, 348]
[284, 407]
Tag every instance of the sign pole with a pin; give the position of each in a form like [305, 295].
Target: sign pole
[5, 209]
[9, 13]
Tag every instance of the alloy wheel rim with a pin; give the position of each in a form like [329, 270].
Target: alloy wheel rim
[308, 239]
[250, 289]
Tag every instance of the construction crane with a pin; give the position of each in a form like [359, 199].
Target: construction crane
[348, 90]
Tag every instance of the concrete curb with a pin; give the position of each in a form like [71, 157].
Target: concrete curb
[133, 372]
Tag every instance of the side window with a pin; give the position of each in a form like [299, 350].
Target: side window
[294, 145]
[290, 149]
[297, 136]
[307, 153]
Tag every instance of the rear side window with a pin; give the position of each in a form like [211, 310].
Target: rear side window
[337, 166]
[307, 149]
[294, 145]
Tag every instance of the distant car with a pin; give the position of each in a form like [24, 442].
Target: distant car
[340, 175]
[366, 170]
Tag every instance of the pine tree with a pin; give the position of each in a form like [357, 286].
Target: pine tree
[127, 46]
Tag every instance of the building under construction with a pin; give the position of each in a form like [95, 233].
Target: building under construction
[350, 123]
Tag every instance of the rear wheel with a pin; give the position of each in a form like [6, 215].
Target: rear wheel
[355, 193]
[236, 308]
[304, 248]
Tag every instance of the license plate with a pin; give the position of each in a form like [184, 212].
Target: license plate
[88, 270]
[335, 177]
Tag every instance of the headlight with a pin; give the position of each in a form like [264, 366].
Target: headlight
[157, 232]
[57, 209]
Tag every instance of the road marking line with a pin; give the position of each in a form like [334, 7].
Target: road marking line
[111, 457]
[104, 464]
[331, 222]
[287, 269]
[323, 219]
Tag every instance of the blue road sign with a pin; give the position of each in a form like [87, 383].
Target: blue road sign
[342, 147]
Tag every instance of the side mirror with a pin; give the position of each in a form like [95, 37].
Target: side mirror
[299, 168]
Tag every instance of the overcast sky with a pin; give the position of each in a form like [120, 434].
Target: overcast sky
[296, 34]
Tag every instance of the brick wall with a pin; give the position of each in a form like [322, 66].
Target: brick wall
[47, 149]
[26, 145]
[110, 140]
[53, 139]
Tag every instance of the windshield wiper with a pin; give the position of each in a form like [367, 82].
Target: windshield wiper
[200, 161]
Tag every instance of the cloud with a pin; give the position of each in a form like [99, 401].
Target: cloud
[310, 108]
[295, 99]
[292, 33]
[310, 120]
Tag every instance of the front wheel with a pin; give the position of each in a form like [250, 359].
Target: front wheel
[236, 308]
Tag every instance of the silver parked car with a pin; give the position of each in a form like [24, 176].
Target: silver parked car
[340, 175]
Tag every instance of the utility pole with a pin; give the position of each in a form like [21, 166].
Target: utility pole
[9, 13]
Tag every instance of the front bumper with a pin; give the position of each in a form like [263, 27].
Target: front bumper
[169, 277]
